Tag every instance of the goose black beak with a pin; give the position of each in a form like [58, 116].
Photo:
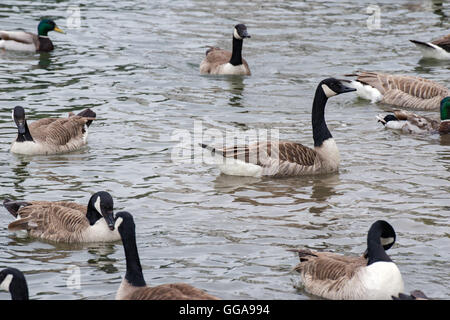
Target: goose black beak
[21, 127]
[345, 89]
[109, 218]
[245, 34]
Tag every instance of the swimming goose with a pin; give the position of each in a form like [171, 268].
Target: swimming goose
[409, 122]
[133, 286]
[13, 281]
[65, 221]
[51, 135]
[399, 90]
[285, 158]
[27, 41]
[415, 295]
[338, 277]
[437, 49]
[219, 61]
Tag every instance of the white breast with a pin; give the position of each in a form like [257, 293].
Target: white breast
[26, 147]
[228, 68]
[382, 280]
[100, 232]
[329, 156]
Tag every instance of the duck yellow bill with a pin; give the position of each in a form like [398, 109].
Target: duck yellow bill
[58, 30]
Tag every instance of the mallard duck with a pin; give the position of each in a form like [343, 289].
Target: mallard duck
[437, 49]
[27, 41]
[286, 158]
[51, 135]
[409, 122]
[399, 90]
[66, 221]
[13, 281]
[219, 61]
[371, 276]
[133, 286]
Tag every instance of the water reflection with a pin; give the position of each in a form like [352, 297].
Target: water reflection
[236, 89]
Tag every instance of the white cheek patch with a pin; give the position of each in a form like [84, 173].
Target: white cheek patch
[6, 282]
[328, 92]
[385, 241]
[97, 205]
[12, 115]
[236, 34]
[118, 222]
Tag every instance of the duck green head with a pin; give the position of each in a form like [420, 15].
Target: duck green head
[47, 25]
[445, 109]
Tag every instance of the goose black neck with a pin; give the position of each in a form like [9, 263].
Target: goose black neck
[375, 249]
[92, 214]
[320, 129]
[22, 137]
[134, 270]
[18, 289]
[236, 55]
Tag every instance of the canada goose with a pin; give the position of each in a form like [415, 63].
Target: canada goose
[409, 122]
[65, 221]
[285, 158]
[51, 135]
[13, 281]
[372, 276]
[415, 295]
[27, 41]
[219, 61]
[133, 286]
[399, 90]
[437, 49]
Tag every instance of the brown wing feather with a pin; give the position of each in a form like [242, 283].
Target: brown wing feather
[414, 86]
[175, 291]
[258, 153]
[328, 265]
[58, 131]
[443, 42]
[59, 221]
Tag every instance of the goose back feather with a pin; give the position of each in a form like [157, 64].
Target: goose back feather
[400, 90]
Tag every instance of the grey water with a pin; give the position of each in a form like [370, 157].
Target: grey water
[135, 63]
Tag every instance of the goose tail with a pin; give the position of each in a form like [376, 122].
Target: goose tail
[14, 206]
[212, 149]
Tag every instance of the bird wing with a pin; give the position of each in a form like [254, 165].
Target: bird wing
[443, 42]
[58, 131]
[20, 36]
[174, 291]
[51, 220]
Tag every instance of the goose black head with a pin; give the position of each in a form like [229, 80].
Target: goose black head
[332, 87]
[102, 204]
[240, 32]
[383, 232]
[13, 281]
[19, 118]
[125, 223]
